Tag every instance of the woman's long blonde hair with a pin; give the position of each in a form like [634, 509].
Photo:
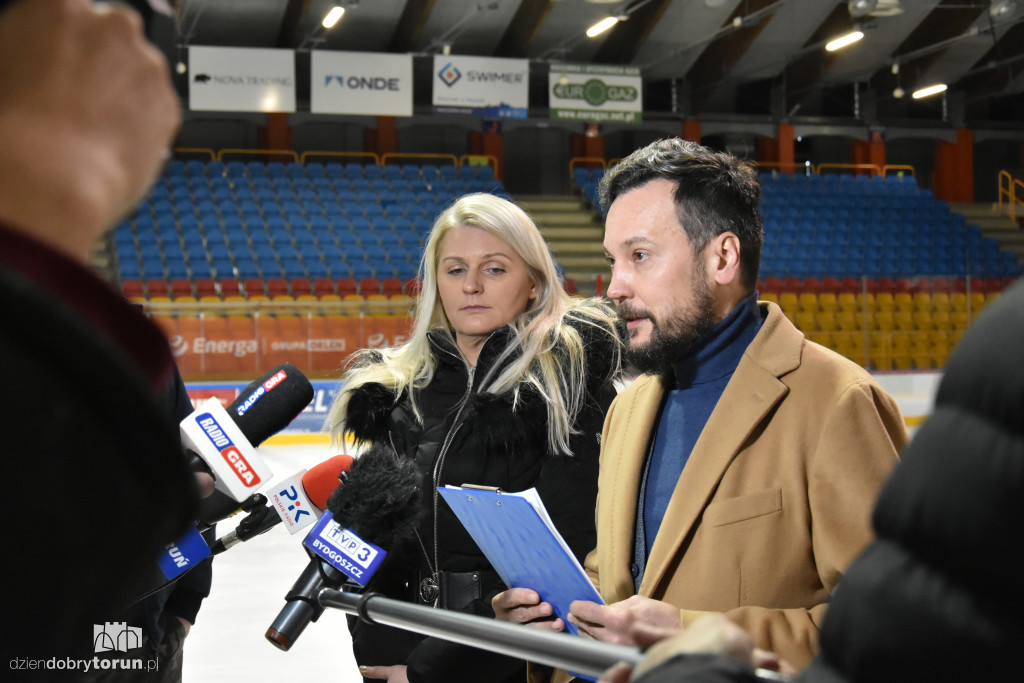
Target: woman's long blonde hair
[538, 331]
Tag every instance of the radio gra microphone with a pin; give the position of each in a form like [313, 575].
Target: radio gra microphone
[378, 507]
[298, 501]
[222, 440]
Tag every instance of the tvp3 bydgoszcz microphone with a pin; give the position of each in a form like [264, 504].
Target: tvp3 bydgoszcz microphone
[377, 508]
[298, 501]
[222, 442]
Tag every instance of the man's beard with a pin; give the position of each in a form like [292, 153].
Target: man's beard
[670, 340]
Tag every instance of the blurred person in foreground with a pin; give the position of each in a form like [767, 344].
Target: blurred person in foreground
[504, 383]
[87, 113]
[739, 470]
[937, 596]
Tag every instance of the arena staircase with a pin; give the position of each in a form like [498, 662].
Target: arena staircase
[575, 235]
[994, 224]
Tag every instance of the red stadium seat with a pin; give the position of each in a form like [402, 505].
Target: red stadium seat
[230, 287]
[255, 287]
[412, 286]
[346, 286]
[369, 285]
[157, 288]
[323, 285]
[277, 286]
[569, 285]
[206, 287]
[301, 286]
[391, 286]
[133, 289]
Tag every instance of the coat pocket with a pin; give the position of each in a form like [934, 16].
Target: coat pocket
[732, 510]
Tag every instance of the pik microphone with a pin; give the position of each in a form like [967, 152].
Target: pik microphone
[377, 507]
[222, 440]
[297, 502]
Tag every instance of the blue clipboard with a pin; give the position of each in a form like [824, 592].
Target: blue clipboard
[518, 538]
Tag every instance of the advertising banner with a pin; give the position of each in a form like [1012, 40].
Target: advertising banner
[481, 86]
[371, 83]
[241, 79]
[595, 93]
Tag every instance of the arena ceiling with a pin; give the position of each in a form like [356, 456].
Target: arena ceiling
[697, 57]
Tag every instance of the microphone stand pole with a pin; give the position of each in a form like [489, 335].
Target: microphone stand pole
[561, 650]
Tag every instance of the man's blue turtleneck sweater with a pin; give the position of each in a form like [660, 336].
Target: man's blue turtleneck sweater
[700, 378]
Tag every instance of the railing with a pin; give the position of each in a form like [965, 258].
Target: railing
[400, 156]
[873, 168]
[304, 157]
[1008, 188]
[196, 150]
[291, 155]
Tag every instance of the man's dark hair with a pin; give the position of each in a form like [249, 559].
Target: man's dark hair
[715, 193]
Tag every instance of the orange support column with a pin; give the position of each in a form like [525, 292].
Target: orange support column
[277, 134]
[787, 155]
[490, 141]
[876, 150]
[387, 135]
[954, 168]
[691, 130]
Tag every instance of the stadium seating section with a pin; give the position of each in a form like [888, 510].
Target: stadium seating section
[871, 266]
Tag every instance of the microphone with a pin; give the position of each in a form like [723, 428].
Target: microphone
[378, 505]
[297, 502]
[221, 440]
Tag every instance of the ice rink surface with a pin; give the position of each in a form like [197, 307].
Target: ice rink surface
[249, 584]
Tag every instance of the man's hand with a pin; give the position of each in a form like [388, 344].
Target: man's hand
[87, 115]
[391, 674]
[612, 623]
[524, 606]
[712, 633]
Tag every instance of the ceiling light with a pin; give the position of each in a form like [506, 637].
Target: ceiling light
[1002, 8]
[843, 41]
[602, 26]
[930, 90]
[898, 92]
[333, 16]
[861, 8]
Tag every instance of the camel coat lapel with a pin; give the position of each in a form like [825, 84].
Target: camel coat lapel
[751, 394]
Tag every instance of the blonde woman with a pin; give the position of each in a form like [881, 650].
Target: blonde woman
[504, 383]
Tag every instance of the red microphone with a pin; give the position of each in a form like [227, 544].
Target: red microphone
[298, 501]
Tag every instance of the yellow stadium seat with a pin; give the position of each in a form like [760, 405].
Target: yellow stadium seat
[827, 321]
[821, 337]
[977, 301]
[808, 301]
[847, 301]
[924, 321]
[923, 301]
[879, 351]
[942, 320]
[905, 301]
[827, 301]
[905, 321]
[884, 301]
[900, 349]
[940, 301]
[769, 296]
[805, 321]
[790, 304]
[957, 300]
[885, 321]
[849, 321]
[959, 320]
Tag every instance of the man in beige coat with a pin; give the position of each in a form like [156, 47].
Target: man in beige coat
[739, 470]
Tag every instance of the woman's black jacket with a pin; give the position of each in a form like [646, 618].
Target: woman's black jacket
[470, 437]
